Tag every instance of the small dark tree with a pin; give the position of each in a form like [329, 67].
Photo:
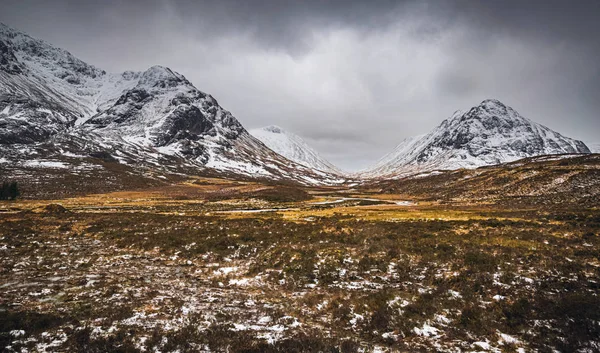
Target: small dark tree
[13, 190]
[9, 191]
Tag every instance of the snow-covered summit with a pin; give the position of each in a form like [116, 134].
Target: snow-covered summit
[158, 77]
[58, 61]
[489, 133]
[294, 148]
[46, 90]
[165, 109]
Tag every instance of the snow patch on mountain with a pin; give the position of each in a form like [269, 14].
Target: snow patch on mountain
[294, 148]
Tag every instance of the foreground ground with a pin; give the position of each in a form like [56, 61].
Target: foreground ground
[220, 266]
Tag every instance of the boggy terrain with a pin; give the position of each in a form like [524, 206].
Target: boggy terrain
[212, 265]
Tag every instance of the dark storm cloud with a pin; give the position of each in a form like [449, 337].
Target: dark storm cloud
[351, 77]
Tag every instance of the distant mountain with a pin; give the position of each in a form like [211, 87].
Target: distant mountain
[52, 103]
[594, 147]
[490, 133]
[294, 148]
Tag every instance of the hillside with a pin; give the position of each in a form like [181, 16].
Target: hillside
[537, 181]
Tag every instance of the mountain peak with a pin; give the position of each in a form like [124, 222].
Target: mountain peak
[42, 58]
[490, 114]
[495, 107]
[491, 102]
[158, 70]
[160, 76]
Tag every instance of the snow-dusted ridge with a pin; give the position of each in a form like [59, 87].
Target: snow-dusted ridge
[487, 134]
[48, 96]
[294, 148]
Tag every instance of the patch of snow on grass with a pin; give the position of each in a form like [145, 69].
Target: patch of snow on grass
[426, 330]
[454, 294]
[507, 339]
[45, 164]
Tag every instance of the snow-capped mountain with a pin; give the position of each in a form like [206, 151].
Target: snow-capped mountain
[49, 97]
[294, 148]
[44, 90]
[490, 133]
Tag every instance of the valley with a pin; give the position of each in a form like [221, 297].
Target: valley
[210, 264]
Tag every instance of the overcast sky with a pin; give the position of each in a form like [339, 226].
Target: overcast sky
[353, 78]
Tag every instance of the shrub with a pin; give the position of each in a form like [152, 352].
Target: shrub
[480, 261]
[281, 194]
[9, 191]
[516, 314]
[471, 319]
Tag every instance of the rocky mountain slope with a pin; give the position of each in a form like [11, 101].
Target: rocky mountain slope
[490, 133]
[294, 148]
[53, 104]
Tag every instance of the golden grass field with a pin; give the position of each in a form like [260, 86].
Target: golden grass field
[227, 266]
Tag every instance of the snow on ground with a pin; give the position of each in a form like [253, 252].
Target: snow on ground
[45, 164]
